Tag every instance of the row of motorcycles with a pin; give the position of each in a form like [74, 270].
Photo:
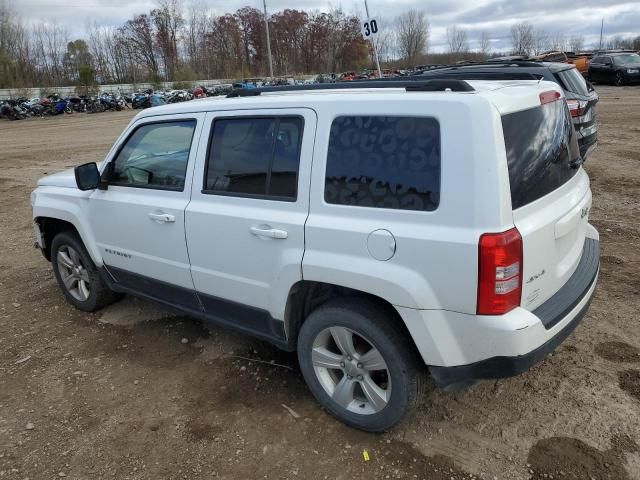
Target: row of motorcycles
[21, 108]
[150, 98]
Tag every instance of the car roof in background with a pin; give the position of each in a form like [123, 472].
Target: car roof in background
[505, 64]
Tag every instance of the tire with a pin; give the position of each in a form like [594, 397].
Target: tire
[69, 258]
[398, 383]
[619, 79]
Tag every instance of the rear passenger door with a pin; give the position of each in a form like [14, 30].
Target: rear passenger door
[249, 203]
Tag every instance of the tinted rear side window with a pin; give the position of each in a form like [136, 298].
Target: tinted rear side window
[572, 81]
[541, 145]
[384, 162]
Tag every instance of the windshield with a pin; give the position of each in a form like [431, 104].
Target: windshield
[623, 59]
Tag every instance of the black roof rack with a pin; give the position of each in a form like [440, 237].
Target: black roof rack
[410, 84]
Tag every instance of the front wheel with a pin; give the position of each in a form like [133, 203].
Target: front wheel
[77, 275]
[619, 80]
[360, 366]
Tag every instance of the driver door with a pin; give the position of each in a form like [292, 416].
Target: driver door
[138, 220]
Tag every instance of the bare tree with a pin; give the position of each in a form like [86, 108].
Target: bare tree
[576, 43]
[558, 41]
[50, 41]
[457, 40]
[412, 32]
[167, 19]
[540, 42]
[522, 38]
[194, 37]
[485, 44]
[139, 35]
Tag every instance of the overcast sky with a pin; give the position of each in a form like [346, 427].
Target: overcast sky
[580, 17]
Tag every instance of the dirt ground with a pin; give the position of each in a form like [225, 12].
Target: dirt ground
[134, 392]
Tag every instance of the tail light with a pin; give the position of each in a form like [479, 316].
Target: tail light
[550, 96]
[577, 107]
[499, 272]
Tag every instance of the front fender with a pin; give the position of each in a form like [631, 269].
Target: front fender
[71, 206]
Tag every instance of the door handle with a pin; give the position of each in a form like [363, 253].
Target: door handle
[268, 232]
[162, 217]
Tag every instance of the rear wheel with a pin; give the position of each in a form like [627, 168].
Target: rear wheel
[358, 364]
[77, 275]
[619, 80]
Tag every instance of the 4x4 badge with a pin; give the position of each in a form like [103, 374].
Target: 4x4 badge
[584, 213]
[536, 276]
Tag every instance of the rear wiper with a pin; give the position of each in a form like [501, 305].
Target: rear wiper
[576, 163]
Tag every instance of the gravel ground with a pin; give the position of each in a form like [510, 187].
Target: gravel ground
[134, 392]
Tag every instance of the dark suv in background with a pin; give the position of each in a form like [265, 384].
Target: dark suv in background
[616, 68]
[580, 96]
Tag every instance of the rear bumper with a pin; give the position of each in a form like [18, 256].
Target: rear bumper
[558, 316]
[587, 140]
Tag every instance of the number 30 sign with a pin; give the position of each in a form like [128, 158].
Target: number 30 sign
[370, 28]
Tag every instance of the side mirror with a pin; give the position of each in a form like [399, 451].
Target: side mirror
[87, 176]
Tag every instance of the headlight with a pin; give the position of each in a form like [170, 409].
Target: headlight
[632, 70]
[33, 198]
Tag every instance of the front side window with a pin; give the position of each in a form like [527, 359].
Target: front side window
[255, 157]
[155, 156]
[384, 162]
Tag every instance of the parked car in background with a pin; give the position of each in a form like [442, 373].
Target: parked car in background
[581, 61]
[580, 96]
[616, 68]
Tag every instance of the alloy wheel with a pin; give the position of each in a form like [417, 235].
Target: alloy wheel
[351, 370]
[73, 273]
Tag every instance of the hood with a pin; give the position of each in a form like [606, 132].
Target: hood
[66, 178]
[631, 65]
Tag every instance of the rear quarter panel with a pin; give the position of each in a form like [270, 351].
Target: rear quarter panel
[435, 263]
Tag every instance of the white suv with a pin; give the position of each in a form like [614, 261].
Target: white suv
[374, 227]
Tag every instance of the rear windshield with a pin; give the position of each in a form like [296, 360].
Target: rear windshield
[572, 81]
[541, 145]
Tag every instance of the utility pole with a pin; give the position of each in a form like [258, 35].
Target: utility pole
[373, 42]
[266, 24]
[601, 28]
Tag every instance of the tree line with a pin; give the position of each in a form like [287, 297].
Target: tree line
[181, 42]
[172, 43]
